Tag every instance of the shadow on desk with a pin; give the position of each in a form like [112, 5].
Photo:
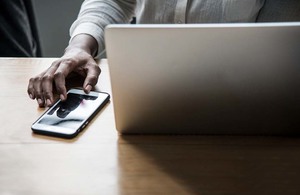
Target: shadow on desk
[209, 164]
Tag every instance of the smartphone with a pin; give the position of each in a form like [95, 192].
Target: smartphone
[68, 118]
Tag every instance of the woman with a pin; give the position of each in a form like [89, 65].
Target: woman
[87, 32]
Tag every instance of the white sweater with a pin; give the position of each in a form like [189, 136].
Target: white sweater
[96, 14]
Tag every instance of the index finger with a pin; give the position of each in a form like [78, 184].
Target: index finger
[47, 82]
[60, 75]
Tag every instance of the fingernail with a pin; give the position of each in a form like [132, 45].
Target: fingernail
[62, 97]
[48, 101]
[40, 101]
[88, 88]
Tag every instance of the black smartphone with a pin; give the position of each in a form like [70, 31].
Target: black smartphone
[67, 118]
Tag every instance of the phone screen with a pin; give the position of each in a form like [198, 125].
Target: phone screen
[67, 117]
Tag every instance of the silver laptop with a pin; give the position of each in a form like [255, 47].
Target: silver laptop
[241, 79]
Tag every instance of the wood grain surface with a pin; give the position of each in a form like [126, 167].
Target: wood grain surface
[100, 161]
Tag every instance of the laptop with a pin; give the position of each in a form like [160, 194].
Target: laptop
[212, 79]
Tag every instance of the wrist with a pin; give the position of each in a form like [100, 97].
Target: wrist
[83, 42]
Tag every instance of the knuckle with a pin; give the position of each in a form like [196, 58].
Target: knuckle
[37, 79]
[47, 94]
[59, 89]
[94, 67]
[31, 80]
[97, 69]
[93, 79]
[30, 86]
[29, 90]
[47, 78]
[58, 74]
[54, 63]
[69, 61]
[39, 95]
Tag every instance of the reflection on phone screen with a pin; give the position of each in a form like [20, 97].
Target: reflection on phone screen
[70, 113]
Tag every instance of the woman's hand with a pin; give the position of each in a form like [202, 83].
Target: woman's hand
[78, 58]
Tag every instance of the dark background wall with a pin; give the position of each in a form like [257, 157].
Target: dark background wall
[54, 19]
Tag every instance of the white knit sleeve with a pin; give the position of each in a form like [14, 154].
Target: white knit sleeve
[94, 15]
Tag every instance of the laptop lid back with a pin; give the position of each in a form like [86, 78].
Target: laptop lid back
[205, 79]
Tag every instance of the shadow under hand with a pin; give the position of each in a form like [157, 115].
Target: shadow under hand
[74, 80]
[209, 165]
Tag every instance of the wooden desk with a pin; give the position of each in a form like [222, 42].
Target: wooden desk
[100, 161]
